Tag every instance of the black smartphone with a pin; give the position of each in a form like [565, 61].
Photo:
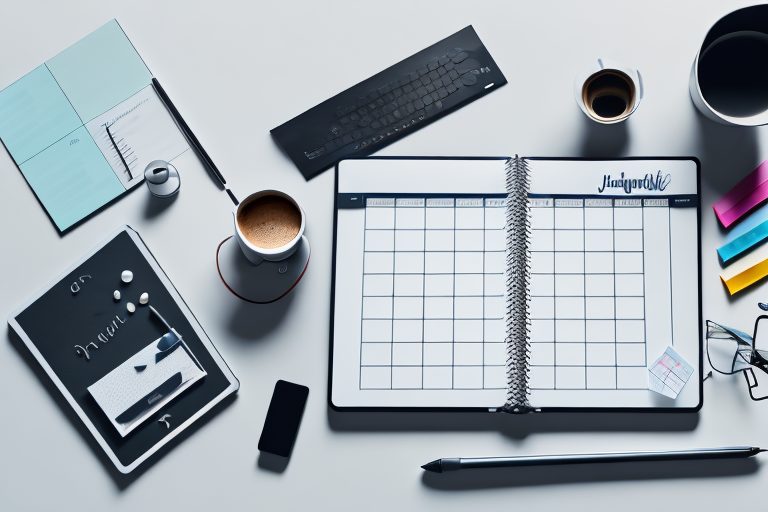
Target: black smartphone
[283, 418]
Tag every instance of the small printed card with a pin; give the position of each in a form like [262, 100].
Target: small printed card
[669, 373]
[148, 380]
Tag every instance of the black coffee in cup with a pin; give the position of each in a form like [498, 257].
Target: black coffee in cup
[608, 95]
[733, 75]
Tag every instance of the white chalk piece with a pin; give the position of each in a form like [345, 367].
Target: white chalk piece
[131, 307]
[126, 276]
[144, 298]
[116, 294]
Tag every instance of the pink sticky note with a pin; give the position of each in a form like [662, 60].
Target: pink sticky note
[744, 197]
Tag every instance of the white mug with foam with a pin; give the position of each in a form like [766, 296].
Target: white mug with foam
[253, 252]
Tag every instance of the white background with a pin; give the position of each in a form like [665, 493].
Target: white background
[237, 70]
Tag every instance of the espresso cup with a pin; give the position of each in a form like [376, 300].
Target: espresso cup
[608, 94]
[269, 225]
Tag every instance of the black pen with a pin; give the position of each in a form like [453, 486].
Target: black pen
[187, 131]
[455, 464]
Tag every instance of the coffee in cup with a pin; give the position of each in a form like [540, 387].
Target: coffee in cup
[729, 79]
[608, 94]
[269, 221]
[268, 226]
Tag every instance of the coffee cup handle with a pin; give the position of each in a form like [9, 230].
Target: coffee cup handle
[255, 259]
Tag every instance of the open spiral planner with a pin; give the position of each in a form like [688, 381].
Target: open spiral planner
[513, 284]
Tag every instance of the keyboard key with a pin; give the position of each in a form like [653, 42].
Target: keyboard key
[441, 70]
[364, 121]
[413, 95]
[425, 80]
[427, 99]
[443, 60]
[397, 92]
[422, 91]
[451, 88]
[434, 75]
[435, 96]
[459, 57]
[407, 88]
[449, 66]
[469, 79]
[442, 92]
[446, 80]
[430, 88]
[432, 65]
[453, 74]
[418, 104]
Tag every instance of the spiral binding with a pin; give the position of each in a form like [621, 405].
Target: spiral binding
[518, 278]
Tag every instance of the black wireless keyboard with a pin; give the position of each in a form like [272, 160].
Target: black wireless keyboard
[393, 103]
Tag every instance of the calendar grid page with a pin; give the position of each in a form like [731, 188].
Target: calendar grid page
[613, 263]
[419, 315]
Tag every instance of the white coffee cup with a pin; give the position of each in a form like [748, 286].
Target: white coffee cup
[607, 92]
[255, 253]
[729, 80]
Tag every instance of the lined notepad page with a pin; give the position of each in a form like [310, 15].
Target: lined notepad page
[614, 279]
[53, 123]
[420, 262]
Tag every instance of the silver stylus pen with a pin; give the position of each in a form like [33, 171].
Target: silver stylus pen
[455, 464]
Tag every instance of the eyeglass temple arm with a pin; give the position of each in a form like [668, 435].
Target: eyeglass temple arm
[752, 386]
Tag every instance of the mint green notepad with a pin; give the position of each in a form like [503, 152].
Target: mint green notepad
[45, 116]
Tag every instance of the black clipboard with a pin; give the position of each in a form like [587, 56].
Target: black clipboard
[78, 310]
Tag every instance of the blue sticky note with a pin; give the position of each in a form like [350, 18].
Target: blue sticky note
[72, 178]
[753, 220]
[34, 113]
[743, 243]
[100, 71]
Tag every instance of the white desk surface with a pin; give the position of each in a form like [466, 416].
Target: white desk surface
[235, 70]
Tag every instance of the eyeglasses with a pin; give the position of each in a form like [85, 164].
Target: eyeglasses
[731, 351]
